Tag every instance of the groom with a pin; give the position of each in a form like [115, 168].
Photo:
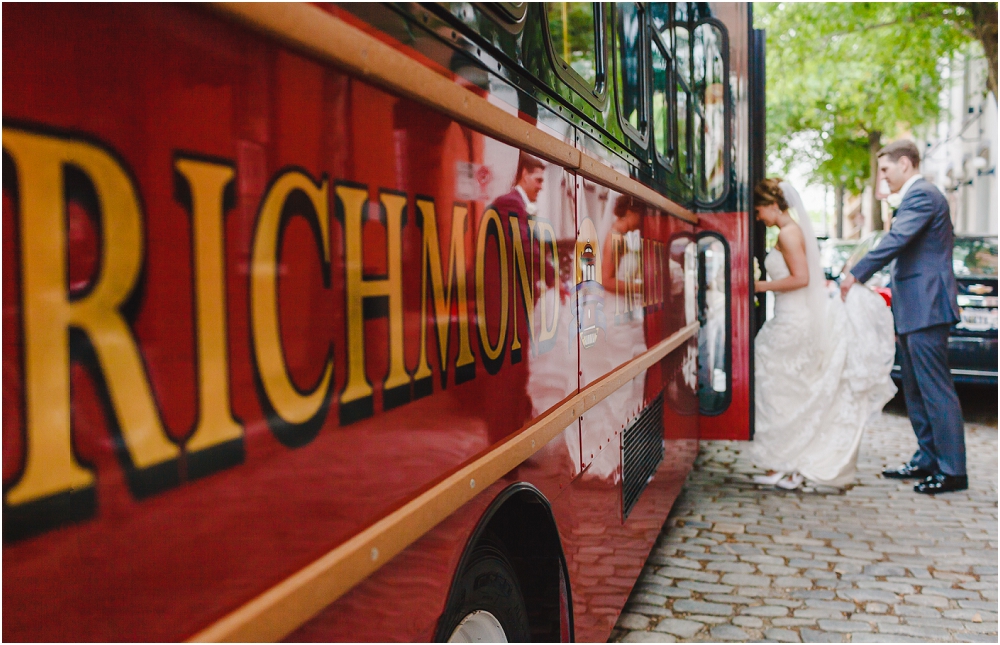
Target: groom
[924, 305]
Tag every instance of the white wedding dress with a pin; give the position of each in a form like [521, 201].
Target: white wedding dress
[822, 370]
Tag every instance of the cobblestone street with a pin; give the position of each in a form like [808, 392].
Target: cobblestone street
[872, 563]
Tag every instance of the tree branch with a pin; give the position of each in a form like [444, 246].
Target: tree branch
[881, 25]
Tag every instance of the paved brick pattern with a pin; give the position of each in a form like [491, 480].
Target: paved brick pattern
[872, 563]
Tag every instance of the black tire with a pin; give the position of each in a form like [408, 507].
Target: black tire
[487, 583]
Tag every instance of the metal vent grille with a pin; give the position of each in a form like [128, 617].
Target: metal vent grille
[642, 452]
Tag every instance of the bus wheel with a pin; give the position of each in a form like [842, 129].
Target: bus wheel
[487, 605]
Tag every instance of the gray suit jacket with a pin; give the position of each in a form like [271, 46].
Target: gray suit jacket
[924, 292]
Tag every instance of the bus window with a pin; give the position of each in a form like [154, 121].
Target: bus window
[631, 66]
[690, 283]
[661, 100]
[713, 312]
[573, 28]
[710, 131]
[682, 60]
[659, 13]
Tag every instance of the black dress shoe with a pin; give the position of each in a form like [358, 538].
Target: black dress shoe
[906, 471]
[941, 483]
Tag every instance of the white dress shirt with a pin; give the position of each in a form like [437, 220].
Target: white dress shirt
[909, 182]
[529, 206]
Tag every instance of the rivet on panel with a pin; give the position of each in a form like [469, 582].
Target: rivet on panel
[472, 483]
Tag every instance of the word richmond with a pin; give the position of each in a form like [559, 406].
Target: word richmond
[515, 277]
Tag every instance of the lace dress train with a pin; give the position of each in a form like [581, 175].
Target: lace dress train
[816, 388]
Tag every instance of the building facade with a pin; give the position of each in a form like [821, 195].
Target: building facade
[961, 149]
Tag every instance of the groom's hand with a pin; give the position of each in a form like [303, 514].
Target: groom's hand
[845, 285]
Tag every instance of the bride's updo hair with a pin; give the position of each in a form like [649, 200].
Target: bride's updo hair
[768, 192]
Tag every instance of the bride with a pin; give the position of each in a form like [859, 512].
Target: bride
[821, 365]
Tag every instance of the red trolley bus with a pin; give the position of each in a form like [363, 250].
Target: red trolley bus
[364, 322]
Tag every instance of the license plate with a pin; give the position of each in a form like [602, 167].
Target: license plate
[978, 319]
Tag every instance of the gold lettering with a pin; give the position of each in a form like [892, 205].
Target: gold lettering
[432, 275]
[631, 287]
[527, 286]
[355, 400]
[207, 182]
[547, 234]
[49, 314]
[291, 405]
[492, 354]
[352, 204]
[398, 380]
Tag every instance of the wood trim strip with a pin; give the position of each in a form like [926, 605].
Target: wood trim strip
[281, 609]
[595, 170]
[324, 36]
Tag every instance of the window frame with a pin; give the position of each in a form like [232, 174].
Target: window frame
[701, 295]
[668, 161]
[685, 176]
[727, 157]
[511, 11]
[596, 95]
[638, 137]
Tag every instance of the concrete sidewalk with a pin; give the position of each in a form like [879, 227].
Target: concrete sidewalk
[872, 563]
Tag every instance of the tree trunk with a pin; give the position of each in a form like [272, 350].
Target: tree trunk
[874, 145]
[838, 198]
[984, 26]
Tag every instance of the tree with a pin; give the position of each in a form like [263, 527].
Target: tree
[842, 75]
[980, 21]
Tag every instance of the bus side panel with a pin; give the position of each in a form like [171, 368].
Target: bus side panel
[307, 171]
[733, 223]
[606, 555]
[734, 421]
[404, 600]
[627, 305]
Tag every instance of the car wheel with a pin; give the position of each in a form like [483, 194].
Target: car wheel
[486, 604]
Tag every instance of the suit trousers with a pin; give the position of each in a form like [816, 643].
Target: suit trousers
[931, 401]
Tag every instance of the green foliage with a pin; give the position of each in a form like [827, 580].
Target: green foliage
[840, 72]
[771, 237]
[580, 28]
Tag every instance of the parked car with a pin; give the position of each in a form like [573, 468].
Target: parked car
[972, 346]
[834, 254]
[972, 343]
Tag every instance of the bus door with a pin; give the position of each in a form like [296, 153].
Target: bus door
[718, 143]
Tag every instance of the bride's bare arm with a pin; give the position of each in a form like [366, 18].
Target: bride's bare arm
[792, 245]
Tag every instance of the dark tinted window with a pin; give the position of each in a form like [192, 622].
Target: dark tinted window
[630, 65]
